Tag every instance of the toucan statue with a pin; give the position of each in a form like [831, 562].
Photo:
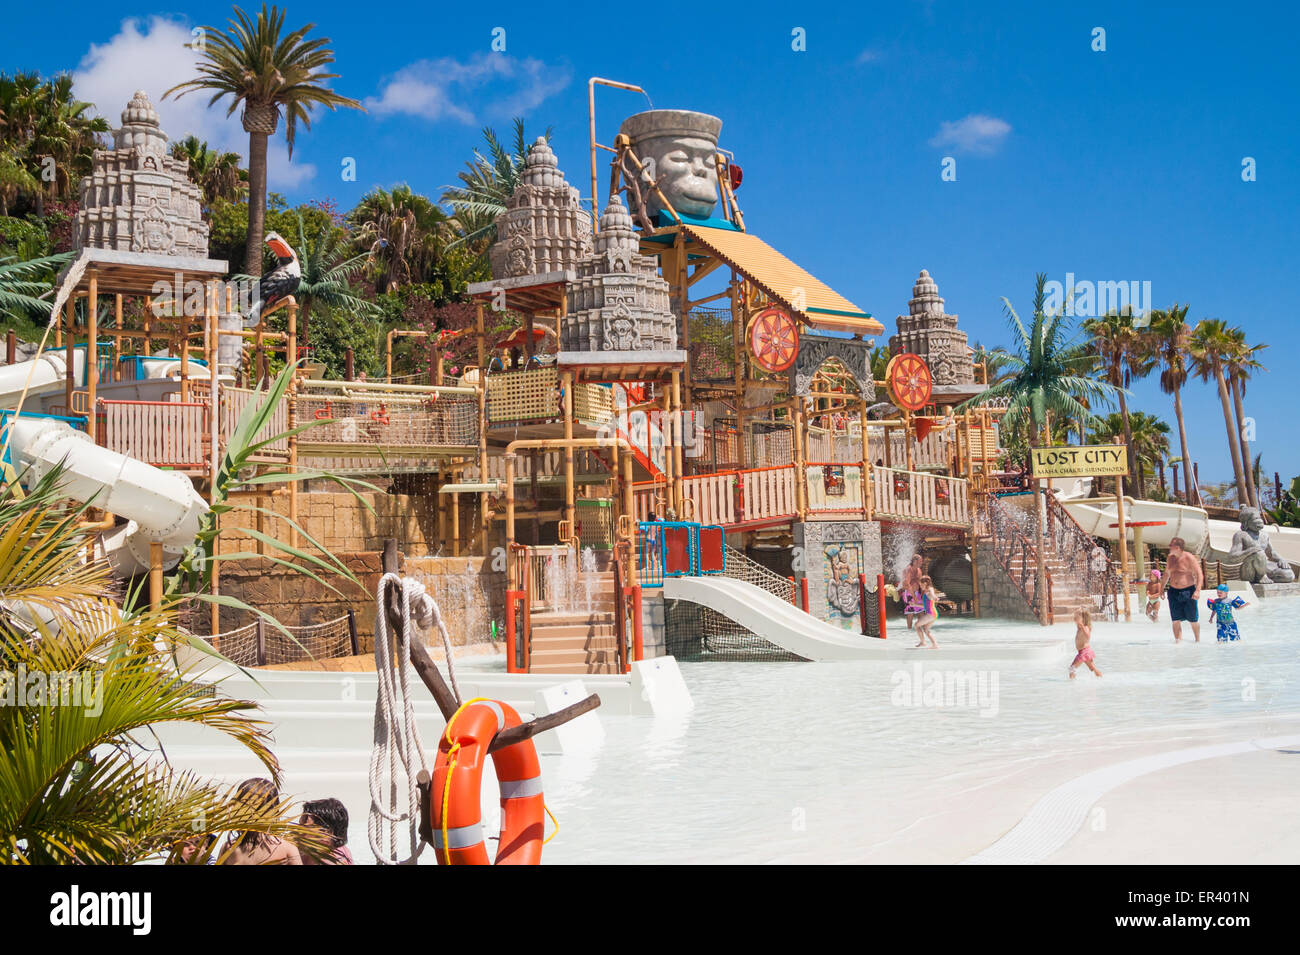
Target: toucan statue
[281, 282]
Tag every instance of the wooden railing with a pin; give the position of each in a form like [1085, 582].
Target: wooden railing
[233, 402]
[920, 497]
[162, 433]
[714, 496]
[727, 497]
[767, 494]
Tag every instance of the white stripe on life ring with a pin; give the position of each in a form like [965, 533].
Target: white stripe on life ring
[463, 838]
[520, 788]
[496, 708]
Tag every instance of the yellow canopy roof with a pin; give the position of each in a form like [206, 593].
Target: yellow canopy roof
[779, 278]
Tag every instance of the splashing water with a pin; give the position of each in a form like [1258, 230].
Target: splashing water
[557, 582]
[587, 567]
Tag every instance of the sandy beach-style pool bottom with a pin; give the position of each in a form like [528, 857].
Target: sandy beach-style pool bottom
[1179, 753]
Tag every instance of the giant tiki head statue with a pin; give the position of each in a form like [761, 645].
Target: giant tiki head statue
[678, 147]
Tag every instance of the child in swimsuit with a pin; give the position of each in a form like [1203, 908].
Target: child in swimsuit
[1083, 643]
[928, 597]
[1222, 609]
[1153, 596]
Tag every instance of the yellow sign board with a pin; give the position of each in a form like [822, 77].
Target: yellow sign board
[1100, 460]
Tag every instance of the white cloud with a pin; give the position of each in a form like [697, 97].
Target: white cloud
[151, 56]
[867, 56]
[445, 88]
[976, 133]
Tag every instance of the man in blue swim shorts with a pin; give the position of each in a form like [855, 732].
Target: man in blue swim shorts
[1183, 583]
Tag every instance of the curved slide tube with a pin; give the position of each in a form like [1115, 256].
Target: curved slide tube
[161, 506]
[792, 630]
[1190, 523]
[48, 371]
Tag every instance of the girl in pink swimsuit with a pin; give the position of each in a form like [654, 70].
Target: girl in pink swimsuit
[1083, 643]
[926, 596]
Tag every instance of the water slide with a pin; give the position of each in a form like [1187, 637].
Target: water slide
[160, 506]
[1192, 524]
[785, 625]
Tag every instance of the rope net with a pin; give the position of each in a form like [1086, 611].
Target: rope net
[260, 644]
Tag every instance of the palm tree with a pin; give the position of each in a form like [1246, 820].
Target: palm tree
[1148, 440]
[1123, 354]
[486, 183]
[1209, 344]
[46, 128]
[327, 273]
[268, 71]
[404, 233]
[1046, 374]
[23, 283]
[217, 174]
[1239, 364]
[75, 785]
[1168, 337]
[15, 179]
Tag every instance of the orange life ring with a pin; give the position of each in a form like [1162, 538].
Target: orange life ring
[461, 753]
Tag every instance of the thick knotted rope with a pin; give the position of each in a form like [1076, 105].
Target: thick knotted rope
[397, 743]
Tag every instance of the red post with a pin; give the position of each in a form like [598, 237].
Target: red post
[880, 602]
[794, 592]
[638, 644]
[11, 347]
[803, 592]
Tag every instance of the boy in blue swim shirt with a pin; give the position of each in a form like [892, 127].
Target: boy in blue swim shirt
[1222, 609]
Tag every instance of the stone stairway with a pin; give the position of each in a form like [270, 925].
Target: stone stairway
[1006, 530]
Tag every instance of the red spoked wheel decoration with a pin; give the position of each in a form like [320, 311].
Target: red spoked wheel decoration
[774, 339]
[908, 377]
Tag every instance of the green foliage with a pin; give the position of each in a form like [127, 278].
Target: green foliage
[1048, 371]
[192, 576]
[1287, 512]
[485, 184]
[229, 226]
[76, 787]
[218, 174]
[46, 132]
[21, 285]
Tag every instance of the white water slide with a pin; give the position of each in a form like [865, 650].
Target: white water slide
[785, 625]
[1192, 524]
[160, 506]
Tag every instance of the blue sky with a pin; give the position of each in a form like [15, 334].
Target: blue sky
[1117, 165]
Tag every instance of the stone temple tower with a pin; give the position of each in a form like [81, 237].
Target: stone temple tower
[927, 330]
[618, 301]
[544, 228]
[139, 199]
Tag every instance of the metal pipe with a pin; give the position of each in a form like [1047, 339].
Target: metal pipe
[591, 133]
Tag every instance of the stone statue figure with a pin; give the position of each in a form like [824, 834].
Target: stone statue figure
[678, 147]
[1251, 544]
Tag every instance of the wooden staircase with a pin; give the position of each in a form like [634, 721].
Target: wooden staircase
[577, 641]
